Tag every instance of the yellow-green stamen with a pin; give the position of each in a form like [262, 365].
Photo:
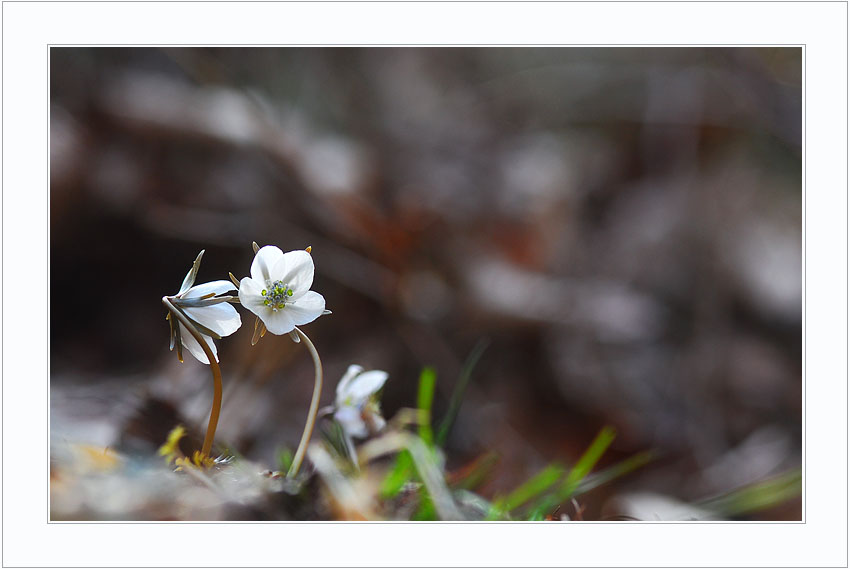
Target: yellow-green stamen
[276, 295]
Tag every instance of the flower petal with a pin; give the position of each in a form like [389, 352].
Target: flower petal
[342, 387]
[365, 385]
[195, 348]
[264, 260]
[306, 308]
[220, 318]
[296, 270]
[214, 287]
[277, 322]
[350, 420]
[251, 297]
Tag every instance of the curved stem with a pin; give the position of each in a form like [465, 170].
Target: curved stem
[216, 373]
[314, 407]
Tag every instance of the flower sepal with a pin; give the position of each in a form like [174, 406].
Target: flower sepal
[208, 300]
[190, 277]
[204, 307]
[259, 331]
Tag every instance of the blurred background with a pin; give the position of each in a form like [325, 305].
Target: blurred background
[618, 228]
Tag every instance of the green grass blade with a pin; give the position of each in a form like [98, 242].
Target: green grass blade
[533, 487]
[403, 470]
[284, 459]
[424, 401]
[398, 475]
[578, 473]
[459, 391]
[501, 508]
[758, 496]
[426, 511]
[621, 469]
[587, 461]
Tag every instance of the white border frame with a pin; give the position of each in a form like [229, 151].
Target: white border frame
[28, 28]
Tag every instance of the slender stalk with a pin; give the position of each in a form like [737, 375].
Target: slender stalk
[214, 368]
[314, 407]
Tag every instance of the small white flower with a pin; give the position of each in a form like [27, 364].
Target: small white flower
[206, 306]
[356, 408]
[278, 290]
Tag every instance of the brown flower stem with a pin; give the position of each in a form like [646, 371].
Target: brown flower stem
[314, 407]
[216, 373]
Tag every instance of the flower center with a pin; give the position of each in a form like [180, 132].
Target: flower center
[276, 296]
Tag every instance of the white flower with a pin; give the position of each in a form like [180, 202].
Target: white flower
[356, 408]
[206, 306]
[278, 290]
